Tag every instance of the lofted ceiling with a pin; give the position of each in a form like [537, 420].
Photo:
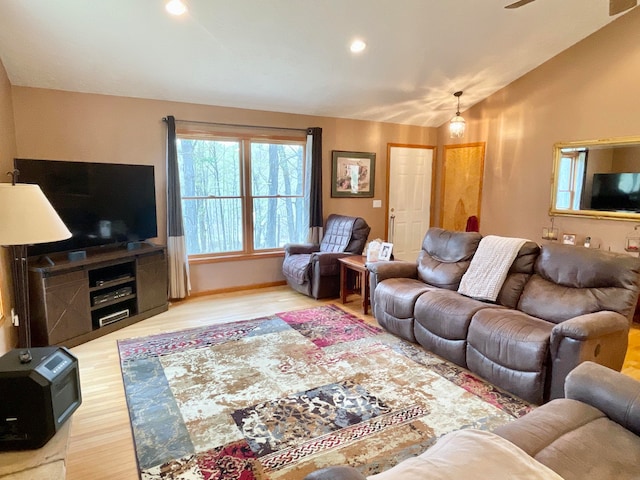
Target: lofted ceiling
[292, 55]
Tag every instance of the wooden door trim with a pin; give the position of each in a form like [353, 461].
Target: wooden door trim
[434, 149]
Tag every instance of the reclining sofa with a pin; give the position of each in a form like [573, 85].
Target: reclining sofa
[559, 306]
[594, 433]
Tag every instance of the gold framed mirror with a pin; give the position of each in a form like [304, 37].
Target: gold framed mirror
[598, 179]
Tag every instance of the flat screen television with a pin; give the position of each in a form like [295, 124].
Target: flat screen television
[616, 192]
[100, 203]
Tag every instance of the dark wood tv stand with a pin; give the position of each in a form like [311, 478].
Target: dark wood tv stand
[74, 301]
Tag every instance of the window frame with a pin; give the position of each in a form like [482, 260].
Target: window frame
[245, 140]
[577, 169]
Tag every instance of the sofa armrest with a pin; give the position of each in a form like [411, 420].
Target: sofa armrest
[614, 394]
[379, 271]
[336, 473]
[392, 269]
[600, 337]
[298, 248]
[326, 263]
[591, 325]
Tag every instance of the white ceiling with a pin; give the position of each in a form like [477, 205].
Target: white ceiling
[292, 55]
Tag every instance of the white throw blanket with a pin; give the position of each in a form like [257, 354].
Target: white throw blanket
[472, 454]
[489, 267]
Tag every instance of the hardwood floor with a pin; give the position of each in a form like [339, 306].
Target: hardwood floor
[101, 445]
[631, 365]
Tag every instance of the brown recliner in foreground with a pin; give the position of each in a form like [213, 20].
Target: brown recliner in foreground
[314, 269]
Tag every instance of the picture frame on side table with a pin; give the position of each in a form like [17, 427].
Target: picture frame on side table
[568, 239]
[373, 250]
[385, 251]
[352, 174]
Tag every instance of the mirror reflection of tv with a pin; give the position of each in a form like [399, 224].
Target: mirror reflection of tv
[616, 192]
[102, 204]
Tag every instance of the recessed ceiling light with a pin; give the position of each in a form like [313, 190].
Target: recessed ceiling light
[358, 46]
[176, 7]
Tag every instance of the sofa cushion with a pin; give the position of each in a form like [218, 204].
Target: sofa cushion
[442, 320]
[337, 234]
[359, 236]
[616, 395]
[510, 349]
[445, 256]
[394, 302]
[297, 268]
[397, 296]
[544, 425]
[446, 313]
[520, 271]
[344, 234]
[469, 454]
[577, 441]
[571, 281]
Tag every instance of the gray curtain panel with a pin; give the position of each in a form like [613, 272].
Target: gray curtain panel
[314, 139]
[179, 284]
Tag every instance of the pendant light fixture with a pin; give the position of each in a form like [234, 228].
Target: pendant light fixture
[457, 125]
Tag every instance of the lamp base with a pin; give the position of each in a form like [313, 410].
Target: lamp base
[21, 293]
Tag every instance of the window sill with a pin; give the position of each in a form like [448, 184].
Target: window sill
[203, 259]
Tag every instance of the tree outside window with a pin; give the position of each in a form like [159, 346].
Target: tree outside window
[241, 195]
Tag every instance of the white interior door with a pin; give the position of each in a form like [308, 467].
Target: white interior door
[409, 207]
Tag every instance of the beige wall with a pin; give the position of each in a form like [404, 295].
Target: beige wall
[8, 334]
[626, 159]
[74, 126]
[589, 91]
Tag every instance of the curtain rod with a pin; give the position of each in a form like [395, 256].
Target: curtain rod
[164, 119]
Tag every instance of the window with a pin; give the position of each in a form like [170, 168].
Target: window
[241, 195]
[570, 179]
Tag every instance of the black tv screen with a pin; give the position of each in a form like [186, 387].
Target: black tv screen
[616, 192]
[100, 203]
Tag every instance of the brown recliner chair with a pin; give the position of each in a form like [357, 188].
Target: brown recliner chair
[314, 269]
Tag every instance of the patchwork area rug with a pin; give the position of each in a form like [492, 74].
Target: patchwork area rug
[278, 397]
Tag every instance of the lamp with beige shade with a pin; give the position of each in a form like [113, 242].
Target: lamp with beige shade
[26, 217]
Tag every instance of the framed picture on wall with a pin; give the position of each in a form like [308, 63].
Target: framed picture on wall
[569, 239]
[353, 174]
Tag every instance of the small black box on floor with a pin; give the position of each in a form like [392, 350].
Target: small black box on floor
[37, 397]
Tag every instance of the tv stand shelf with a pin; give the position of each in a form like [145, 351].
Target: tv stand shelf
[74, 301]
[112, 283]
[115, 301]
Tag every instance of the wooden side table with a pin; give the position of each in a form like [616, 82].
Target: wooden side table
[357, 264]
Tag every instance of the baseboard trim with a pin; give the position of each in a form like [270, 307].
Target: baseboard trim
[238, 288]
